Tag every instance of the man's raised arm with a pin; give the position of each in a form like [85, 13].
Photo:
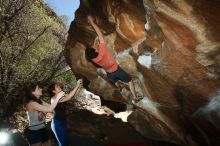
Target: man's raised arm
[97, 29]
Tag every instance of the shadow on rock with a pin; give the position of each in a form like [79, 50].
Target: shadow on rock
[77, 140]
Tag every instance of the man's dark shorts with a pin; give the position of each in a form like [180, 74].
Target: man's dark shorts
[36, 136]
[119, 74]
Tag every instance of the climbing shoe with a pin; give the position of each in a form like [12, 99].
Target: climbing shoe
[139, 99]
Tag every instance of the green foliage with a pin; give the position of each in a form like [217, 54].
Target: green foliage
[68, 79]
[32, 39]
[64, 19]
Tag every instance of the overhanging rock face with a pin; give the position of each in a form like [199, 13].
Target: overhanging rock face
[171, 49]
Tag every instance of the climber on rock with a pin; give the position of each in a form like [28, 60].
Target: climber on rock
[100, 55]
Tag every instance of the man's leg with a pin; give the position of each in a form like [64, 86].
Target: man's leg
[125, 77]
[135, 97]
[131, 86]
[121, 75]
[119, 85]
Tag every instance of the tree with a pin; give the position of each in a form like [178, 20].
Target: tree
[32, 38]
[64, 19]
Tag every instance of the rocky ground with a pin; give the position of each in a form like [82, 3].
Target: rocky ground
[90, 122]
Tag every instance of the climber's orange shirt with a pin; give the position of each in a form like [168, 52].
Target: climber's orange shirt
[105, 59]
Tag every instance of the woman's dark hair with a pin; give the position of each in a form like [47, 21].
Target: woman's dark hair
[29, 96]
[90, 53]
[52, 87]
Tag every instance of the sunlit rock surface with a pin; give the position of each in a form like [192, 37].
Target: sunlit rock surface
[171, 48]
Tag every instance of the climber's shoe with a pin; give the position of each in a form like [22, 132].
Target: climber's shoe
[132, 101]
[139, 99]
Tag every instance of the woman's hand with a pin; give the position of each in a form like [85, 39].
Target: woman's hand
[79, 83]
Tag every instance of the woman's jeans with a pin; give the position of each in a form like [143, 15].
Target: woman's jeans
[59, 129]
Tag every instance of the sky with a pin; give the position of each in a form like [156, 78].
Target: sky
[64, 7]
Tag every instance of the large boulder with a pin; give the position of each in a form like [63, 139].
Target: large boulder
[172, 51]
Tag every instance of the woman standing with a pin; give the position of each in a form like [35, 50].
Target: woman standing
[36, 133]
[59, 121]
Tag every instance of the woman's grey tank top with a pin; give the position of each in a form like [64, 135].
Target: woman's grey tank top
[36, 120]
